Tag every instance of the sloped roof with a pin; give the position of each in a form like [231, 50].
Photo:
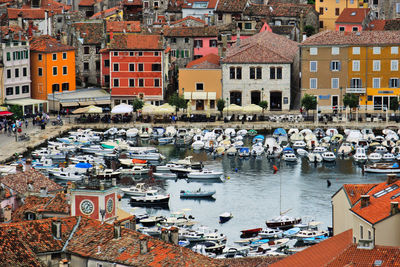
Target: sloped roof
[355, 191]
[320, 254]
[121, 26]
[15, 29]
[376, 25]
[231, 6]
[210, 61]
[263, 47]
[136, 42]
[278, 10]
[90, 32]
[353, 38]
[46, 43]
[392, 25]
[27, 12]
[18, 182]
[207, 31]
[353, 15]
[106, 13]
[379, 206]
[88, 2]
[188, 18]
[189, 3]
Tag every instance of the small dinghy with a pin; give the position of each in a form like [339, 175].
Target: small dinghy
[165, 175]
[196, 193]
[383, 168]
[224, 217]
[250, 232]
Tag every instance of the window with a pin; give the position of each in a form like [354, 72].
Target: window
[186, 53]
[55, 71]
[173, 40]
[255, 73]
[107, 63]
[141, 82]
[394, 50]
[377, 50]
[86, 50]
[54, 56]
[98, 48]
[313, 51]
[186, 40]
[55, 87]
[65, 69]
[9, 56]
[313, 83]
[356, 83]
[376, 65]
[156, 67]
[321, 24]
[198, 43]
[321, 10]
[65, 86]
[116, 82]
[8, 74]
[140, 54]
[131, 54]
[376, 82]
[131, 82]
[313, 66]
[356, 65]
[199, 87]
[25, 89]
[9, 90]
[116, 67]
[341, 28]
[355, 29]
[394, 83]
[397, 8]
[156, 54]
[252, 73]
[272, 73]
[279, 73]
[394, 65]
[247, 26]
[239, 73]
[335, 83]
[64, 55]
[335, 50]
[259, 73]
[361, 232]
[40, 72]
[107, 79]
[235, 73]
[337, 11]
[24, 72]
[16, 71]
[131, 67]
[369, 235]
[17, 90]
[232, 72]
[335, 65]
[156, 82]
[356, 50]
[115, 54]
[97, 65]
[213, 43]
[212, 104]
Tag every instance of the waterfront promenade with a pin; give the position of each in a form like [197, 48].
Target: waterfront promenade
[9, 147]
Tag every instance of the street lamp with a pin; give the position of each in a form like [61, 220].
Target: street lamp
[262, 94]
[341, 100]
[227, 103]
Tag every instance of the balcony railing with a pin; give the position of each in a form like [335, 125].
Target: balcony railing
[356, 90]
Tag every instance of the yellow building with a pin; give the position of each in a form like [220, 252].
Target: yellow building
[114, 14]
[200, 83]
[329, 11]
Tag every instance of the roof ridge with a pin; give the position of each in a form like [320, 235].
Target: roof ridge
[72, 233]
[339, 254]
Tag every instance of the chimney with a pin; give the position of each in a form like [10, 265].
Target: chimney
[56, 229]
[164, 235]
[46, 15]
[301, 27]
[237, 37]
[102, 186]
[63, 263]
[20, 20]
[114, 181]
[143, 244]
[174, 235]
[391, 178]
[43, 191]
[117, 230]
[364, 201]
[132, 224]
[394, 208]
[28, 164]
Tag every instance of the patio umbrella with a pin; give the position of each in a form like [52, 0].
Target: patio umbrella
[252, 109]
[79, 110]
[6, 113]
[188, 107]
[122, 109]
[164, 109]
[233, 108]
[148, 109]
[93, 109]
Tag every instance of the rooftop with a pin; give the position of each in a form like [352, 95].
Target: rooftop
[106, 13]
[355, 191]
[207, 31]
[191, 3]
[384, 25]
[353, 15]
[231, 6]
[210, 61]
[188, 18]
[89, 32]
[136, 42]
[48, 44]
[278, 10]
[362, 38]
[123, 26]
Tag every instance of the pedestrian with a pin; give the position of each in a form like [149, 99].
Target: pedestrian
[26, 123]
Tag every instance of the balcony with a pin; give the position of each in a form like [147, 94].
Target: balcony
[356, 90]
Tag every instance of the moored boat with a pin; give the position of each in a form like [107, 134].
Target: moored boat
[383, 168]
[196, 193]
[224, 217]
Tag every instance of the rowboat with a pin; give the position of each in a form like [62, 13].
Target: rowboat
[383, 168]
[196, 193]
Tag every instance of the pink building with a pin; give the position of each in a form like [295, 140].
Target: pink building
[352, 19]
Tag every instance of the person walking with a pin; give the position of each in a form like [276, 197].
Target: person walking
[26, 123]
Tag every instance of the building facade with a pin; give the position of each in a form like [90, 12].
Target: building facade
[385, 9]
[353, 19]
[52, 67]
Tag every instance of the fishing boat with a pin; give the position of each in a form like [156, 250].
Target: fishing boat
[291, 232]
[196, 193]
[139, 190]
[224, 217]
[151, 198]
[270, 233]
[205, 174]
[383, 168]
[314, 240]
[107, 174]
[282, 222]
[250, 232]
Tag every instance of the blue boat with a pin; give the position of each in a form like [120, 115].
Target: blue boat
[288, 150]
[279, 132]
[244, 152]
[258, 243]
[83, 165]
[291, 232]
[315, 239]
[258, 139]
[165, 140]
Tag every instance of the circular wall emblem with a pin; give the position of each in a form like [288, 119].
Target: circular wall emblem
[110, 205]
[87, 207]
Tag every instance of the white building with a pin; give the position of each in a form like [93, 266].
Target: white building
[263, 67]
[199, 9]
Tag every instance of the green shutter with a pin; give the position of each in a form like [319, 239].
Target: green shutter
[183, 53]
[8, 56]
[177, 53]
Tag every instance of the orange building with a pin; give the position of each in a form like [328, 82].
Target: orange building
[52, 67]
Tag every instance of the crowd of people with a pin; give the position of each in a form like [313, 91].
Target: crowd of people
[12, 126]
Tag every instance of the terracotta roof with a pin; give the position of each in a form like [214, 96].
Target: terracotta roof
[190, 3]
[353, 15]
[379, 206]
[207, 31]
[175, 5]
[48, 44]
[231, 6]
[354, 191]
[15, 29]
[278, 10]
[38, 13]
[377, 25]
[392, 25]
[251, 261]
[320, 254]
[106, 13]
[263, 47]
[132, 2]
[87, 2]
[210, 61]
[387, 256]
[136, 42]
[354, 38]
[188, 18]
[121, 26]
[90, 32]
[18, 182]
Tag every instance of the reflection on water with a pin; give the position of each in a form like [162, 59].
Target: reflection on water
[252, 192]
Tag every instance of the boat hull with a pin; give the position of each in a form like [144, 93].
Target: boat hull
[283, 225]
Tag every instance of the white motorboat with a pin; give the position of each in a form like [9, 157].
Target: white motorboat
[345, 149]
[86, 158]
[320, 150]
[328, 156]
[132, 133]
[296, 137]
[375, 157]
[230, 132]
[310, 233]
[198, 145]
[165, 140]
[138, 190]
[242, 132]
[274, 152]
[188, 162]
[217, 237]
[232, 151]
[302, 152]
[270, 233]
[192, 236]
[63, 147]
[170, 131]
[299, 144]
[151, 198]
[380, 150]
[314, 157]
[210, 144]
[224, 217]
[383, 168]
[165, 175]
[257, 150]
[360, 156]
[93, 149]
[146, 155]
[205, 174]
[135, 170]
[53, 154]
[43, 163]
[66, 174]
[167, 167]
[388, 157]
[210, 247]
[289, 157]
[244, 152]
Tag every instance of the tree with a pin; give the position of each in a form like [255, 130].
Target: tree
[394, 104]
[309, 102]
[263, 104]
[220, 105]
[137, 104]
[351, 101]
[17, 110]
[309, 30]
[177, 101]
[311, 2]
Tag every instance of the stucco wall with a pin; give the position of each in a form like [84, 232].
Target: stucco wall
[387, 232]
[341, 216]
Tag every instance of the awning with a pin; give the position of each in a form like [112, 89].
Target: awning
[69, 104]
[25, 101]
[187, 95]
[212, 95]
[199, 95]
[103, 102]
[5, 113]
[87, 103]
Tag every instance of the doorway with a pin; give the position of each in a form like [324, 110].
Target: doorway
[255, 97]
[199, 104]
[236, 98]
[335, 103]
[276, 100]
[382, 102]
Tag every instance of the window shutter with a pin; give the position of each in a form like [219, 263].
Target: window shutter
[331, 65]
[177, 53]
[339, 65]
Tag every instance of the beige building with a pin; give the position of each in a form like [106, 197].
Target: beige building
[200, 83]
[371, 211]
